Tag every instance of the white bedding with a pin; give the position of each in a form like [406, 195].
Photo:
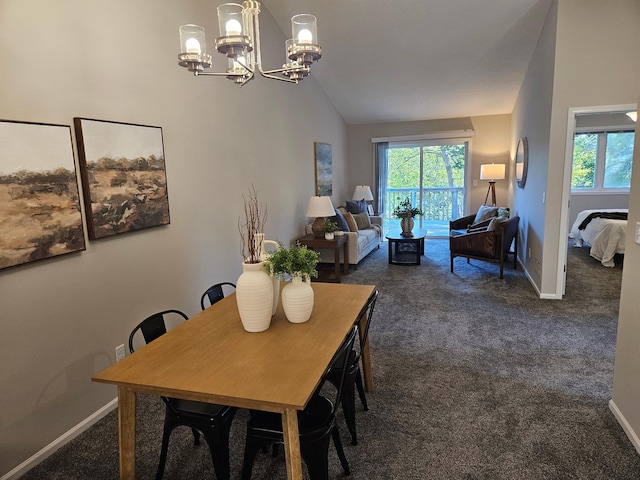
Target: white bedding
[606, 236]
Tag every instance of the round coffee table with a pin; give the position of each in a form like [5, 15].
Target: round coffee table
[406, 250]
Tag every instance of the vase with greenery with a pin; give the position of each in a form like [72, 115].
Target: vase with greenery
[254, 288]
[300, 264]
[405, 212]
[330, 227]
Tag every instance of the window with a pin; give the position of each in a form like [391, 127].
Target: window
[432, 175]
[602, 161]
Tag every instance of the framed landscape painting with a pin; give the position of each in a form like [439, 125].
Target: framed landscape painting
[123, 176]
[39, 203]
[324, 185]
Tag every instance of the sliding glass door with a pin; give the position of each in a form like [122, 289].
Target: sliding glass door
[432, 175]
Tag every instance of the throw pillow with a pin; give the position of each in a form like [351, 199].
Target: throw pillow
[362, 220]
[485, 212]
[480, 225]
[504, 212]
[341, 221]
[356, 206]
[353, 226]
[494, 224]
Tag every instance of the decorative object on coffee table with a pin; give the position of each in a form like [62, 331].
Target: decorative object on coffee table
[254, 288]
[405, 212]
[320, 208]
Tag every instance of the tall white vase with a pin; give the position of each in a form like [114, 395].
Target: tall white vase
[263, 255]
[254, 295]
[297, 300]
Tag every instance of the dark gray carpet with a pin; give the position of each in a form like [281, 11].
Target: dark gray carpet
[475, 378]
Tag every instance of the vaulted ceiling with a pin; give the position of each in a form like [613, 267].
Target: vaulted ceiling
[403, 60]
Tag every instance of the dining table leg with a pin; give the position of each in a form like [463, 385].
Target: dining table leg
[127, 432]
[292, 443]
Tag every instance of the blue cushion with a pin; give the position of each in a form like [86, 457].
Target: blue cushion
[341, 221]
[358, 206]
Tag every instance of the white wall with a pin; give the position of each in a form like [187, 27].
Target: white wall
[572, 67]
[117, 60]
[530, 119]
[626, 380]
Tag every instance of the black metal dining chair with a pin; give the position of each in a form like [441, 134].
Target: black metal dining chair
[316, 426]
[215, 293]
[353, 374]
[207, 419]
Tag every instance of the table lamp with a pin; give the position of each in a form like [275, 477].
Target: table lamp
[491, 172]
[319, 207]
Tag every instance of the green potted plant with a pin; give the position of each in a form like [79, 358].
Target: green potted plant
[330, 227]
[405, 209]
[296, 260]
[299, 263]
[405, 212]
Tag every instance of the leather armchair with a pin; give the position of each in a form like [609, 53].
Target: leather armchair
[484, 244]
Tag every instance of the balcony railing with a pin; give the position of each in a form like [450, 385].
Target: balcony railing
[441, 203]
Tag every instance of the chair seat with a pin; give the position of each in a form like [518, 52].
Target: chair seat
[314, 417]
[197, 409]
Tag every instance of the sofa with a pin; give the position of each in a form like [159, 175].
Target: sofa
[364, 232]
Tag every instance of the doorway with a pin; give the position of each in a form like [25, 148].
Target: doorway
[573, 126]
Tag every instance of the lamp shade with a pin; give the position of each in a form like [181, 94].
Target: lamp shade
[492, 171]
[320, 207]
[362, 192]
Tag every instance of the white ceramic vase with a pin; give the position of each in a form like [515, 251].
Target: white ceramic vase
[254, 295]
[262, 245]
[329, 235]
[297, 300]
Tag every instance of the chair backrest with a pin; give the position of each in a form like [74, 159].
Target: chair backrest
[214, 294]
[368, 312]
[510, 231]
[154, 326]
[341, 361]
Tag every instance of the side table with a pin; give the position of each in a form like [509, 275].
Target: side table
[311, 241]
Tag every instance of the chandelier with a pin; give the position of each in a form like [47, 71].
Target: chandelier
[239, 40]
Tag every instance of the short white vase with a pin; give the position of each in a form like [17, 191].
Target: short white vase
[297, 300]
[254, 295]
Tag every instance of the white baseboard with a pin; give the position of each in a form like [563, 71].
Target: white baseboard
[62, 440]
[635, 440]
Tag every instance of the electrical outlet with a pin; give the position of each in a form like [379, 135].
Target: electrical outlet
[119, 352]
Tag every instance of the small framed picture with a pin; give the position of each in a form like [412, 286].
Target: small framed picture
[370, 209]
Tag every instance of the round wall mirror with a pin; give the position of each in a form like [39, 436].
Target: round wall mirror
[522, 159]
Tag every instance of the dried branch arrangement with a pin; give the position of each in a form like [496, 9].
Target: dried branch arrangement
[255, 218]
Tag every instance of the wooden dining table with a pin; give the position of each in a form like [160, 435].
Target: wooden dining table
[211, 358]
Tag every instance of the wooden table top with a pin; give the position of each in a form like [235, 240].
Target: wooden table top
[212, 358]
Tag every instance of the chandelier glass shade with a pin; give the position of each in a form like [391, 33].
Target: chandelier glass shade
[239, 41]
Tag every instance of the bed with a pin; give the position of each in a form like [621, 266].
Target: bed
[603, 230]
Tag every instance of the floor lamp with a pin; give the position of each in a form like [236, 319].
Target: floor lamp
[491, 172]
